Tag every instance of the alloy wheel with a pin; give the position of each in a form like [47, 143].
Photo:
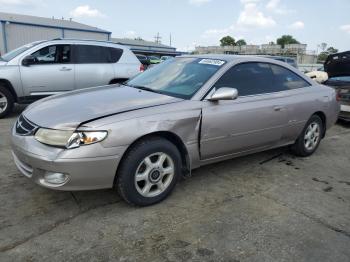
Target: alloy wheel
[312, 136]
[154, 174]
[3, 102]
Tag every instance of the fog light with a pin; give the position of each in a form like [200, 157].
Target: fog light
[55, 178]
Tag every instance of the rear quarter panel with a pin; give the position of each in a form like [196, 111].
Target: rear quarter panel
[305, 102]
[128, 66]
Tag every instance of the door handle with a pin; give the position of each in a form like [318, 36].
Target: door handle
[278, 108]
[65, 69]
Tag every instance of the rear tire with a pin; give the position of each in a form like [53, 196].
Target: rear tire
[149, 171]
[6, 101]
[310, 138]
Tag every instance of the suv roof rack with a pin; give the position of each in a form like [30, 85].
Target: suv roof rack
[87, 40]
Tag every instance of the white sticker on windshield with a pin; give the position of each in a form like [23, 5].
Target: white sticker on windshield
[212, 62]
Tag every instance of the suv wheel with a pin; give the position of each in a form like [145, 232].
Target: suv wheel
[149, 171]
[310, 138]
[6, 101]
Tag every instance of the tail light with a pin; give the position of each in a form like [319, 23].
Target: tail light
[337, 95]
[142, 68]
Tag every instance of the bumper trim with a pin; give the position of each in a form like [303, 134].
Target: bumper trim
[25, 169]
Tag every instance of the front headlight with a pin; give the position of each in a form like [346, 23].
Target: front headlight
[69, 139]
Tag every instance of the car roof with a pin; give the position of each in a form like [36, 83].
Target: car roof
[230, 58]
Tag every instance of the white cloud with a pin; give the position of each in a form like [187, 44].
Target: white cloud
[345, 28]
[249, 1]
[130, 34]
[252, 17]
[18, 2]
[274, 6]
[297, 25]
[86, 11]
[198, 2]
[249, 18]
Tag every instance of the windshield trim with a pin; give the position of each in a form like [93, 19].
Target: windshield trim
[29, 46]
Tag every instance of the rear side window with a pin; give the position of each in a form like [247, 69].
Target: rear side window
[115, 54]
[90, 54]
[249, 79]
[286, 79]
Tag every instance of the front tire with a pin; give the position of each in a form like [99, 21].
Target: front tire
[6, 101]
[309, 140]
[149, 171]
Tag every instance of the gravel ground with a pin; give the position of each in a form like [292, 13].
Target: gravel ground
[269, 206]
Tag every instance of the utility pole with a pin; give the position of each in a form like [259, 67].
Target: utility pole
[157, 38]
[170, 40]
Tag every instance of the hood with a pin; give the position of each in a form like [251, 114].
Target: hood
[338, 64]
[69, 110]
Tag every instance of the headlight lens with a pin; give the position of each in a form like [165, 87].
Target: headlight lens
[69, 139]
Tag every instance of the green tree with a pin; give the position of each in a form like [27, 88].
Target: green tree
[241, 42]
[323, 55]
[332, 50]
[227, 41]
[286, 39]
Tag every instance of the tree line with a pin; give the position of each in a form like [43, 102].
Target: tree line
[282, 41]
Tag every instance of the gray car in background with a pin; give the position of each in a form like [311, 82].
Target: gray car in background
[44, 68]
[184, 113]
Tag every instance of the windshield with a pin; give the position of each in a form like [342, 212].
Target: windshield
[340, 78]
[12, 54]
[180, 77]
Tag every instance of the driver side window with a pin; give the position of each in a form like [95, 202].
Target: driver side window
[250, 78]
[54, 54]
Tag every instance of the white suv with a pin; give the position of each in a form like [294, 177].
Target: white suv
[44, 68]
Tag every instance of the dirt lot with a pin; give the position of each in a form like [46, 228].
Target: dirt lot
[264, 207]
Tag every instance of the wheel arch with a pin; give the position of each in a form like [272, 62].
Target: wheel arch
[9, 86]
[171, 137]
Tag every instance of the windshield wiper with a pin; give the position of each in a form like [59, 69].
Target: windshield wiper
[146, 89]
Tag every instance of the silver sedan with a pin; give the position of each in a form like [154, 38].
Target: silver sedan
[141, 137]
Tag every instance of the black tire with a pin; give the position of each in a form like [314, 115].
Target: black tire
[125, 180]
[5, 93]
[299, 148]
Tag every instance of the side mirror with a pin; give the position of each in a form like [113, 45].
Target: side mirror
[28, 60]
[224, 93]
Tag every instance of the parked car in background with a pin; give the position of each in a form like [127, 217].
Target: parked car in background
[289, 60]
[165, 57]
[144, 60]
[154, 60]
[44, 68]
[318, 76]
[184, 113]
[337, 66]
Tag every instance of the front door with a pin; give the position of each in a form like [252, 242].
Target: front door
[51, 73]
[255, 120]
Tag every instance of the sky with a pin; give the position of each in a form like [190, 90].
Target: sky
[203, 22]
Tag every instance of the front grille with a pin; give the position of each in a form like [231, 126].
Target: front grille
[24, 127]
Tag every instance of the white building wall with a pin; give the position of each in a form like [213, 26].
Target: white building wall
[18, 35]
[85, 35]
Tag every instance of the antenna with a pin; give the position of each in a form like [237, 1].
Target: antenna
[157, 38]
[170, 40]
